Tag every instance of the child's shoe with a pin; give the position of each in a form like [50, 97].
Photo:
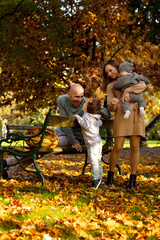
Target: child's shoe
[127, 113]
[142, 112]
[96, 183]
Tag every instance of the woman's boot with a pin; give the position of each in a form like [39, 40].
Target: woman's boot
[110, 178]
[132, 181]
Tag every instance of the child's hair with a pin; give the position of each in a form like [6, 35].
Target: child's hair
[94, 106]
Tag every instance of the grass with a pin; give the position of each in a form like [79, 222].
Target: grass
[150, 143]
[16, 144]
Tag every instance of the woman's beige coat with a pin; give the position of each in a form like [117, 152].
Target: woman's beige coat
[134, 125]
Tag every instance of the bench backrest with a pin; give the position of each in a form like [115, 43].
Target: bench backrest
[61, 121]
[65, 121]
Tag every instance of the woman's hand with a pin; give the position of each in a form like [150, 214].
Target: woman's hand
[125, 97]
[115, 101]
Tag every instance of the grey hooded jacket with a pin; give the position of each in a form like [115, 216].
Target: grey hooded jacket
[128, 80]
[90, 124]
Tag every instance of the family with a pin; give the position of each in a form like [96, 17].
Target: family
[123, 88]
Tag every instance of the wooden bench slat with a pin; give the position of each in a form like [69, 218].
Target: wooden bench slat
[61, 121]
[20, 127]
[64, 121]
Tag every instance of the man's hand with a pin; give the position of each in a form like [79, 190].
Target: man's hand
[77, 146]
[125, 97]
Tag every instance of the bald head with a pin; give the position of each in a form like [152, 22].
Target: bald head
[76, 94]
[76, 87]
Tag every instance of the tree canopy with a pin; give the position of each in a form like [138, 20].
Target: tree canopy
[46, 45]
[145, 16]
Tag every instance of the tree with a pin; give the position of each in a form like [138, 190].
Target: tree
[145, 16]
[148, 130]
[32, 55]
[47, 45]
[151, 125]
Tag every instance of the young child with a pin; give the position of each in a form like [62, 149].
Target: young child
[90, 123]
[127, 79]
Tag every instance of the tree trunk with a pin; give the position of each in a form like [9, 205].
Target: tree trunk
[150, 126]
[94, 48]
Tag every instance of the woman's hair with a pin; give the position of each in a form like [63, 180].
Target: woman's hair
[106, 79]
[94, 106]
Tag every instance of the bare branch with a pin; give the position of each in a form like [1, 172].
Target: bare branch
[116, 52]
[13, 12]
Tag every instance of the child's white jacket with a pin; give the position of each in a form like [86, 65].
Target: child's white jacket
[90, 124]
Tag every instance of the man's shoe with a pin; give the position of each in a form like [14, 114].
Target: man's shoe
[5, 174]
[96, 183]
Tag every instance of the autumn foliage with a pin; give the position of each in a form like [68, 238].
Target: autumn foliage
[72, 209]
[47, 45]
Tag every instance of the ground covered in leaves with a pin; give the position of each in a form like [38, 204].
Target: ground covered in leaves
[72, 209]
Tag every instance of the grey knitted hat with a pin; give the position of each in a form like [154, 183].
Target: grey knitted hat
[126, 66]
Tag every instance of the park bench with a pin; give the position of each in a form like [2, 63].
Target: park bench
[25, 154]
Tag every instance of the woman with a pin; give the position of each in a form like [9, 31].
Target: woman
[133, 127]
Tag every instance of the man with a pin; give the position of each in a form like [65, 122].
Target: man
[69, 105]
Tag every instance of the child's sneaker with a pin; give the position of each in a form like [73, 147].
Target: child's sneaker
[142, 112]
[96, 183]
[127, 113]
